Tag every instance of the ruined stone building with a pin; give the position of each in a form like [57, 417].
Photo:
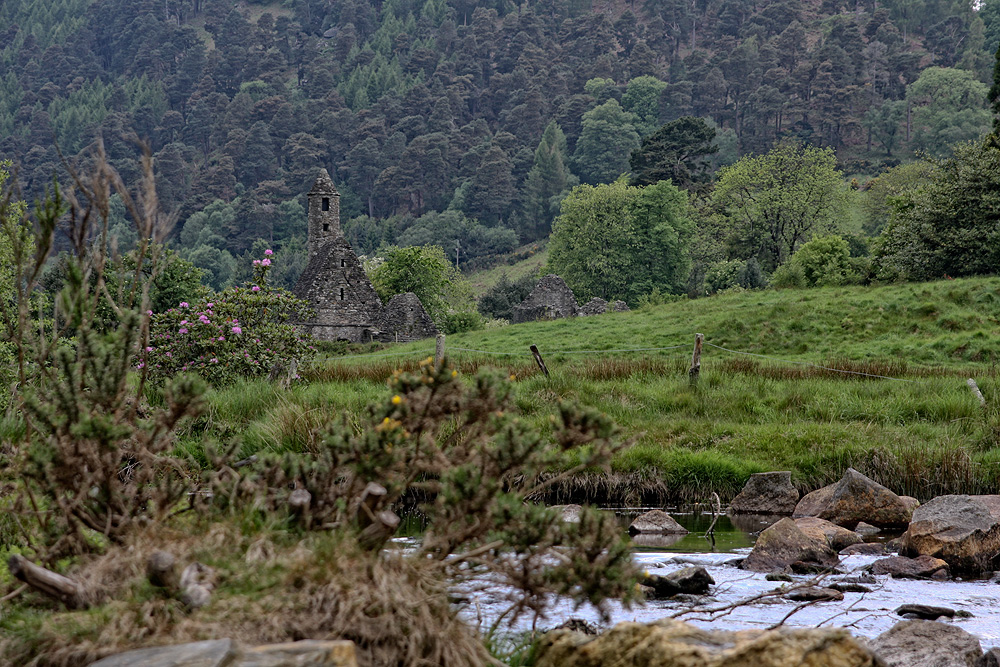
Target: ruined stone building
[552, 299]
[335, 284]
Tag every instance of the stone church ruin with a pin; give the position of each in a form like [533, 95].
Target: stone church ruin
[552, 299]
[335, 285]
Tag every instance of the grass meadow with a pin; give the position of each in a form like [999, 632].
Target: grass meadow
[803, 407]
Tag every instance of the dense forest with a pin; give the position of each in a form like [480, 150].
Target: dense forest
[464, 121]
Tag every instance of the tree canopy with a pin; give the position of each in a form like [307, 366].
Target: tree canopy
[777, 201]
[678, 152]
[618, 241]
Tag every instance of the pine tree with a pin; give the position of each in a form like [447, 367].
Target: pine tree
[548, 179]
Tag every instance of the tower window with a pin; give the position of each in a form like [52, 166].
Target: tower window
[326, 226]
[326, 203]
[341, 293]
[343, 263]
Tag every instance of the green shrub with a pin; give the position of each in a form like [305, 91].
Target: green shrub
[241, 332]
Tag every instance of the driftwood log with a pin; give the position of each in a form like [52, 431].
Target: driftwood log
[47, 582]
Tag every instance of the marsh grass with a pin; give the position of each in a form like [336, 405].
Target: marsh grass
[812, 406]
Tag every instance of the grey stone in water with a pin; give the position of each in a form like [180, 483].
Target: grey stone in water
[867, 529]
[849, 588]
[927, 644]
[864, 549]
[689, 580]
[214, 653]
[853, 499]
[778, 576]
[657, 522]
[766, 493]
[814, 594]
[924, 611]
[570, 513]
[900, 567]
[784, 543]
[990, 659]
[822, 530]
[551, 299]
[962, 530]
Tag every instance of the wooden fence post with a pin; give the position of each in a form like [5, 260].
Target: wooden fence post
[695, 369]
[439, 351]
[538, 359]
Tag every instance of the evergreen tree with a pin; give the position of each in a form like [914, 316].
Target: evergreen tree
[547, 182]
[678, 152]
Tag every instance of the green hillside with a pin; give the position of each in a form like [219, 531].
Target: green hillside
[921, 433]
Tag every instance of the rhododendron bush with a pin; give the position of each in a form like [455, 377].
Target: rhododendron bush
[242, 331]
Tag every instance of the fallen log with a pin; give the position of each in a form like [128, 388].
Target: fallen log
[47, 582]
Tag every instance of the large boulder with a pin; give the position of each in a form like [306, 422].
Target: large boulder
[821, 530]
[927, 644]
[856, 498]
[766, 493]
[964, 531]
[784, 543]
[674, 643]
[688, 581]
[656, 522]
[921, 567]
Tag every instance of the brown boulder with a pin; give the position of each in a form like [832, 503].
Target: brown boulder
[814, 594]
[864, 549]
[927, 644]
[656, 522]
[853, 499]
[962, 530]
[921, 567]
[822, 530]
[784, 543]
[766, 493]
[688, 580]
[674, 643]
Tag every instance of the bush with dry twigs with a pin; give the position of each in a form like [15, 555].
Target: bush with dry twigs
[298, 545]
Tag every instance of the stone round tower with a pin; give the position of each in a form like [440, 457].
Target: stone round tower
[324, 212]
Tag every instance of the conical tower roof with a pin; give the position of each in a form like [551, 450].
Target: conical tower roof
[324, 185]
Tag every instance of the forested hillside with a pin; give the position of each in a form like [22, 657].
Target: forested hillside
[445, 120]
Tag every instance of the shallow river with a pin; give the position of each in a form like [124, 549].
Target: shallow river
[866, 614]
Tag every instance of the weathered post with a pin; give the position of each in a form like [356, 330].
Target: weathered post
[538, 359]
[439, 351]
[695, 369]
[975, 391]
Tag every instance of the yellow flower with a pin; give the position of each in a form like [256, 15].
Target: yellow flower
[386, 420]
[396, 400]
[454, 374]
[512, 377]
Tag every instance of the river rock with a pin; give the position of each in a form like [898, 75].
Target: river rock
[864, 549]
[853, 499]
[990, 659]
[924, 611]
[227, 653]
[766, 493]
[867, 529]
[569, 513]
[849, 587]
[822, 530]
[213, 653]
[656, 522]
[678, 644]
[962, 530]
[814, 594]
[921, 567]
[688, 580]
[927, 644]
[784, 543]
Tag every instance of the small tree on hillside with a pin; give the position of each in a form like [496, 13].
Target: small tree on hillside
[620, 242]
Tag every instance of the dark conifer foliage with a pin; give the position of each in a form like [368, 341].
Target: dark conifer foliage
[423, 106]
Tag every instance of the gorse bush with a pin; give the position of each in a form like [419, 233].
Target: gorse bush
[241, 332]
